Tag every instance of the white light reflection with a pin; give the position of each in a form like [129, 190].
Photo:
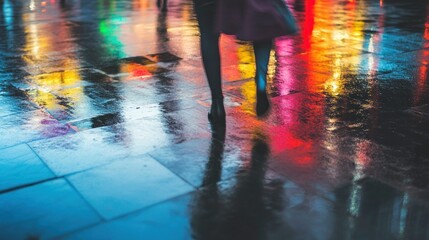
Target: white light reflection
[371, 61]
[35, 35]
[356, 194]
[32, 5]
[361, 161]
[355, 199]
[339, 35]
[371, 44]
[403, 214]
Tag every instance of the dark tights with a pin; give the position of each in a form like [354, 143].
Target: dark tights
[262, 51]
[209, 42]
[206, 15]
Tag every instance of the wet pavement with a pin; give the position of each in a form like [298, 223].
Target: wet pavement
[104, 131]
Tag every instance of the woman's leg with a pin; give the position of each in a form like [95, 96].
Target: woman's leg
[209, 39]
[262, 51]
[262, 57]
[210, 47]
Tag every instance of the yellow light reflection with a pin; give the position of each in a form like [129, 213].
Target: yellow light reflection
[58, 80]
[246, 69]
[246, 59]
[40, 44]
[248, 90]
[333, 87]
[334, 41]
[43, 98]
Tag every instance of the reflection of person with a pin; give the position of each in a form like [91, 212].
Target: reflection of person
[173, 124]
[227, 17]
[246, 209]
[162, 4]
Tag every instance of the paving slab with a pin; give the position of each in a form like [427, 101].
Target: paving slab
[128, 185]
[44, 211]
[19, 165]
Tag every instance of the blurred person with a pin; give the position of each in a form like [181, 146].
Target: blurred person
[257, 21]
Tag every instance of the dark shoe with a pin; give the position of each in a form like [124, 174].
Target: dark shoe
[262, 104]
[217, 111]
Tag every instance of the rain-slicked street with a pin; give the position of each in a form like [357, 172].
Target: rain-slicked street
[104, 131]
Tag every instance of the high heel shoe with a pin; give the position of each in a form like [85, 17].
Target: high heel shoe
[262, 104]
[217, 111]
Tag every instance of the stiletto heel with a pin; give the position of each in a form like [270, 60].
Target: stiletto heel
[217, 111]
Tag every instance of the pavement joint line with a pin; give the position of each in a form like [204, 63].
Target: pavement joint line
[28, 185]
[84, 199]
[125, 215]
[11, 146]
[177, 175]
[41, 159]
[65, 176]
[152, 205]
[105, 164]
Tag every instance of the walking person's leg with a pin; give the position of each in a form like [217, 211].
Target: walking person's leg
[209, 40]
[262, 51]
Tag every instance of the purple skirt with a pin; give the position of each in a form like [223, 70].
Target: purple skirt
[255, 20]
